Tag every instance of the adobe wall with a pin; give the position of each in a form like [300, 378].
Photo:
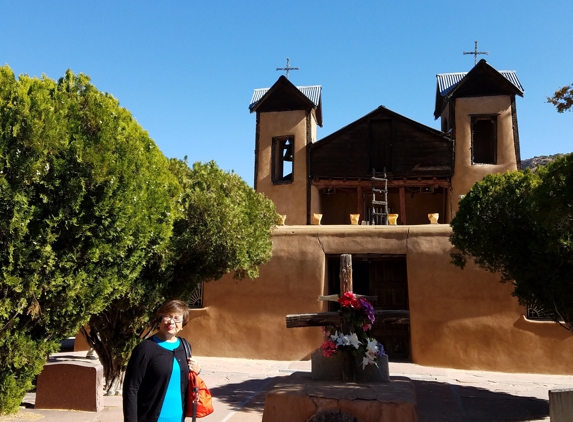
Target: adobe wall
[466, 174]
[459, 318]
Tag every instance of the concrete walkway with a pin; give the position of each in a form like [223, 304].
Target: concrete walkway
[444, 395]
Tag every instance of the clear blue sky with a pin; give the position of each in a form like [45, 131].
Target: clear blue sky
[187, 69]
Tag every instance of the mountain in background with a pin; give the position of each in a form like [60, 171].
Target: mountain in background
[542, 160]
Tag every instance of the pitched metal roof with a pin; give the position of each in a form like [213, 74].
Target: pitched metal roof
[311, 92]
[447, 81]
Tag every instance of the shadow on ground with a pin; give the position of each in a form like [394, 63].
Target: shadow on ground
[452, 402]
[249, 396]
[437, 402]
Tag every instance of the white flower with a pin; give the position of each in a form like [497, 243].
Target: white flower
[345, 339]
[372, 347]
[353, 339]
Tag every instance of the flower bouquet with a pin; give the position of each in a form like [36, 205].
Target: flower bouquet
[351, 336]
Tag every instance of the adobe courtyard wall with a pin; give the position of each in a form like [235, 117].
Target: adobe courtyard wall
[461, 319]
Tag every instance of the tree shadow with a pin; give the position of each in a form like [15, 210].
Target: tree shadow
[248, 396]
[437, 401]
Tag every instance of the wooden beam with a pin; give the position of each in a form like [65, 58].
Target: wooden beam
[359, 208]
[345, 273]
[402, 205]
[367, 185]
[324, 319]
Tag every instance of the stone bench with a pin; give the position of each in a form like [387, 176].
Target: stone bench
[70, 385]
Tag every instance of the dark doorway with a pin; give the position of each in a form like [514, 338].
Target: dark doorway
[385, 277]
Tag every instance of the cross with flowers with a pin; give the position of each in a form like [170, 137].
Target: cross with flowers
[347, 330]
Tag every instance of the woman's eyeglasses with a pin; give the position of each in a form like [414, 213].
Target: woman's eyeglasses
[170, 318]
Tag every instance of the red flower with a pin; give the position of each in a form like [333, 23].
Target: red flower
[328, 348]
[349, 300]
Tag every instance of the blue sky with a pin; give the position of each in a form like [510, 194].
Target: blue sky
[187, 69]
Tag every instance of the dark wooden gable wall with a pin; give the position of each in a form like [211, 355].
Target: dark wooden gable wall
[382, 139]
[283, 96]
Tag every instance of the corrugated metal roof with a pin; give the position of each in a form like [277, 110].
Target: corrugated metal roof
[310, 92]
[447, 81]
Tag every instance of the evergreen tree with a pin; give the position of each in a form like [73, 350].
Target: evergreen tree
[520, 224]
[86, 198]
[222, 225]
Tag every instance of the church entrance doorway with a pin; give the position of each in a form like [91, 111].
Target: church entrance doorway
[385, 277]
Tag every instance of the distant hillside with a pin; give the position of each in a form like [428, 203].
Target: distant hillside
[542, 160]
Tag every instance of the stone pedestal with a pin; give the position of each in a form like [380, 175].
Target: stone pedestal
[330, 369]
[302, 399]
[74, 386]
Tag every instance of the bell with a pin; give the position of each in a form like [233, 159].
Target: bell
[287, 154]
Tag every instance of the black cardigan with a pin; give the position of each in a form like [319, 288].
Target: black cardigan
[146, 379]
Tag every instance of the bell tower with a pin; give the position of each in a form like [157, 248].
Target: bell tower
[478, 111]
[287, 118]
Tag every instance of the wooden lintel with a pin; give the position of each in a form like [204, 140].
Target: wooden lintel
[324, 319]
[366, 185]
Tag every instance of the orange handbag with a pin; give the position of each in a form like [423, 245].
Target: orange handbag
[199, 403]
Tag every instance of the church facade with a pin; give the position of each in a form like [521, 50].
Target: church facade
[337, 196]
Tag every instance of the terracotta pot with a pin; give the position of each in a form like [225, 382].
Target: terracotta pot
[282, 218]
[354, 218]
[393, 219]
[316, 218]
[434, 217]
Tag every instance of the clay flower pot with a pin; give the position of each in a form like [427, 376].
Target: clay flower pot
[282, 218]
[434, 217]
[393, 219]
[354, 218]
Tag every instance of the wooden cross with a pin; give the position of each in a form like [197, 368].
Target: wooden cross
[324, 319]
[287, 68]
[476, 52]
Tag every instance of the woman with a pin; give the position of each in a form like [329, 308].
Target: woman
[155, 384]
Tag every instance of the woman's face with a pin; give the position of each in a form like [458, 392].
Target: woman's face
[170, 325]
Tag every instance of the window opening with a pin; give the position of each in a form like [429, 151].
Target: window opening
[196, 299]
[484, 139]
[283, 158]
[536, 315]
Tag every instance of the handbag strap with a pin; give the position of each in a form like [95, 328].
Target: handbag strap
[186, 346]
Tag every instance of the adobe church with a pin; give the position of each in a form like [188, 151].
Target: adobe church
[383, 188]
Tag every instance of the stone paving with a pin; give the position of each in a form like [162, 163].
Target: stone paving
[444, 395]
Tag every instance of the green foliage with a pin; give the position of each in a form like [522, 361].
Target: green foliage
[22, 358]
[225, 227]
[562, 99]
[221, 225]
[520, 224]
[85, 199]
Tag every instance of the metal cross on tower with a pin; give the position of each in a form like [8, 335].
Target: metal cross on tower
[287, 68]
[476, 52]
